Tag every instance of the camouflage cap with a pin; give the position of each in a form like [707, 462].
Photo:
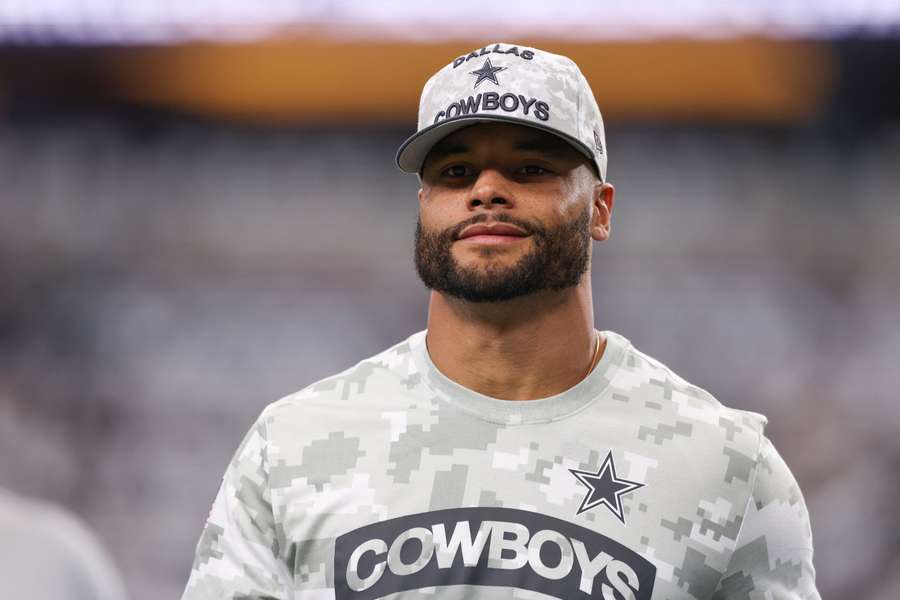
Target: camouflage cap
[507, 83]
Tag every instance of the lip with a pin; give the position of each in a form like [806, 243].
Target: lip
[492, 239]
[496, 232]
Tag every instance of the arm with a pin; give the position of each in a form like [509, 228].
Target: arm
[237, 555]
[773, 553]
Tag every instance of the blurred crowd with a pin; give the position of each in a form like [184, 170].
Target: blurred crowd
[162, 280]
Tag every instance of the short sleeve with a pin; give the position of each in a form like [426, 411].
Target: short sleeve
[238, 552]
[773, 556]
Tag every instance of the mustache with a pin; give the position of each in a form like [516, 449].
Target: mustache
[454, 232]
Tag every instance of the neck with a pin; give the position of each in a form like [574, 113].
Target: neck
[521, 349]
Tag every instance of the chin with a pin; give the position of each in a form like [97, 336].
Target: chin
[486, 266]
[491, 254]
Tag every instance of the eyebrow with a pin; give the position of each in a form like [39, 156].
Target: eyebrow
[543, 146]
[440, 152]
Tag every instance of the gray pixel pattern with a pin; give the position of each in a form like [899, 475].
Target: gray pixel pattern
[719, 514]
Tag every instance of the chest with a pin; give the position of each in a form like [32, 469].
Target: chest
[568, 512]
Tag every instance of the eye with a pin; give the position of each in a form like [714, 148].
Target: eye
[456, 171]
[534, 170]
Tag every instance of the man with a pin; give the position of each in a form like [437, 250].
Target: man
[510, 450]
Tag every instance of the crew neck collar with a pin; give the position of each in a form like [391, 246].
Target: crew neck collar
[521, 412]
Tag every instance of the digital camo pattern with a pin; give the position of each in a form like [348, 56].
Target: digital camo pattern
[509, 83]
[390, 480]
[775, 518]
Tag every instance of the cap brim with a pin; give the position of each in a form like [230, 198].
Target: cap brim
[413, 151]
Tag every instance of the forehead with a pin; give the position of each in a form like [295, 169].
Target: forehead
[503, 136]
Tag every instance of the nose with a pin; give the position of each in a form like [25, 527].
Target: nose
[490, 189]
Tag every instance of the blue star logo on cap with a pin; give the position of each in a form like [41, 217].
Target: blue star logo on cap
[605, 487]
[487, 72]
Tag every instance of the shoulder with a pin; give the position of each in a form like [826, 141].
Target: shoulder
[778, 509]
[671, 406]
[390, 367]
[726, 447]
[726, 466]
[356, 398]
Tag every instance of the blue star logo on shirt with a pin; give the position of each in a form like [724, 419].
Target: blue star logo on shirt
[487, 72]
[605, 487]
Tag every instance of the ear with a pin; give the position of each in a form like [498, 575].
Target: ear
[421, 195]
[601, 222]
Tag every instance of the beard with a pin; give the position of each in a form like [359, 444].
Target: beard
[558, 258]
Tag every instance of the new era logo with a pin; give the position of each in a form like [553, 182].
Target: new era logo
[598, 144]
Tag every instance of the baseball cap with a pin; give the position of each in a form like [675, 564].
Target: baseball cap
[511, 84]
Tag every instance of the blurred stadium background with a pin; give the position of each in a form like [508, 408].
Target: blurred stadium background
[199, 213]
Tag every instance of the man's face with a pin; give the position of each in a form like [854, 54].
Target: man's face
[528, 186]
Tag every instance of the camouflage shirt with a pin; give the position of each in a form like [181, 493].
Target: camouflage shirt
[389, 480]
